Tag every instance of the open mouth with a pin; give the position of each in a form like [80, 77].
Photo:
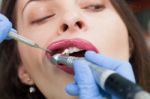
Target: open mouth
[70, 47]
[70, 51]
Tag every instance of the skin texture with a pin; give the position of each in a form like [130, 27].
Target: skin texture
[102, 26]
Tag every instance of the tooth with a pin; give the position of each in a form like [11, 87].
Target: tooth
[70, 50]
[73, 49]
[65, 52]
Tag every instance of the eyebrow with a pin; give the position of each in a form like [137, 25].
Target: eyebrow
[27, 3]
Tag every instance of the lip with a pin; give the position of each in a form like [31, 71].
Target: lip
[65, 43]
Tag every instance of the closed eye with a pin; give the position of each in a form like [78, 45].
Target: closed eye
[40, 20]
[95, 7]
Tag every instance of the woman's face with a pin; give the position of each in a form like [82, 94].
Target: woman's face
[67, 24]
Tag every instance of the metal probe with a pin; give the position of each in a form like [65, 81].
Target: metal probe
[14, 35]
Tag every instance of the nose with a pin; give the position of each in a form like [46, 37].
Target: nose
[72, 23]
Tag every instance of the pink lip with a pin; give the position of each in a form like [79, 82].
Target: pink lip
[65, 43]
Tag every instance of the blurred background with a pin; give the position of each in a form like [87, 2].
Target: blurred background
[0, 2]
[141, 8]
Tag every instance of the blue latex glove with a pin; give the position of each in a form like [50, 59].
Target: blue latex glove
[85, 86]
[5, 27]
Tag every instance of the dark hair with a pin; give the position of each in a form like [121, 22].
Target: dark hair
[10, 85]
[12, 88]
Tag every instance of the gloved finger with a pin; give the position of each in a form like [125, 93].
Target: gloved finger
[82, 70]
[85, 80]
[2, 18]
[5, 27]
[122, 67]
[4, 30]
[102, 60]
[72, 89]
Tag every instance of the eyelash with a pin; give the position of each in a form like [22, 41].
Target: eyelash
[94, 7]
[42, 19]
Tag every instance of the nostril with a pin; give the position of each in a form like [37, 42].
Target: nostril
[72, 26]
[65, 27]
[79, 24]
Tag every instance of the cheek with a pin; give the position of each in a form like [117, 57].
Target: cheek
[28, 55]
[42, 34]
[31, 57]
[113, 36]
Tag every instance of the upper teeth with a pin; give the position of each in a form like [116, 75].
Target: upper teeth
[71, 50]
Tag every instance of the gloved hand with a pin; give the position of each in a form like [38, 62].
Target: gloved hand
[85, 86]
[5, 27]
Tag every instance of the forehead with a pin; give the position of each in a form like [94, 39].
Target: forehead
[23, 2]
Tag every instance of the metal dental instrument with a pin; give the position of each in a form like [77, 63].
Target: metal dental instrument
[13, 34]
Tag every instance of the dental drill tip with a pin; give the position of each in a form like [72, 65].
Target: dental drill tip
[55, 59]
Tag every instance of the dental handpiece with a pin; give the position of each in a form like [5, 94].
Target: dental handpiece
[108, 80]
[14, 35]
